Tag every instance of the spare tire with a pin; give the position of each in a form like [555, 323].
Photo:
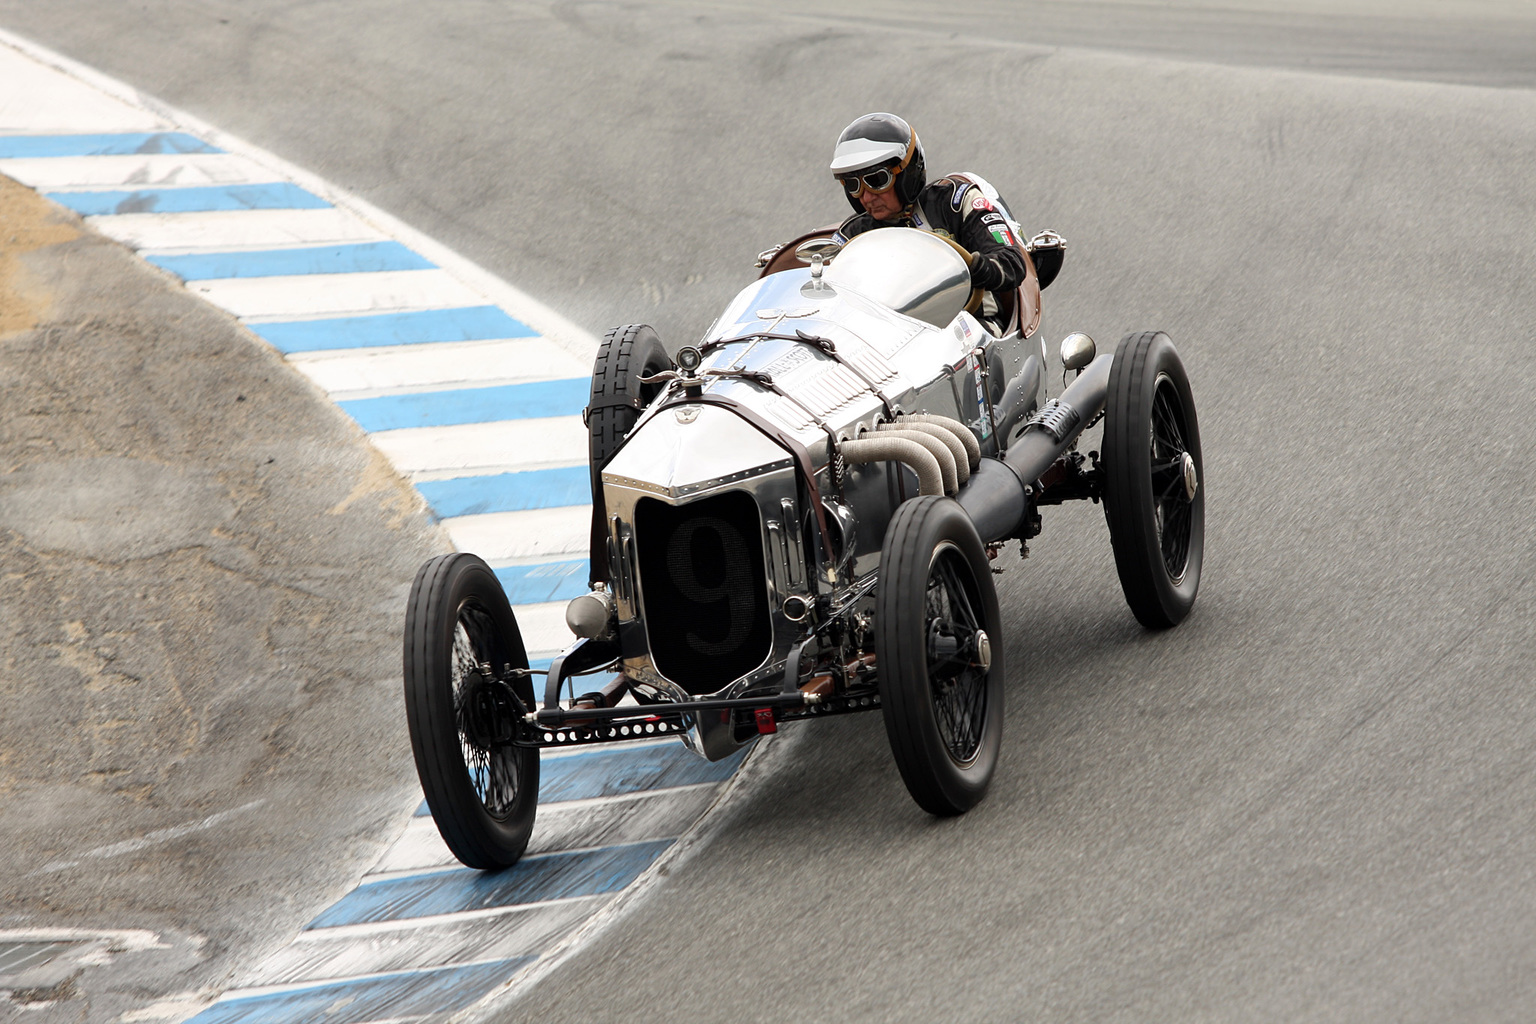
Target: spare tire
[626, 354]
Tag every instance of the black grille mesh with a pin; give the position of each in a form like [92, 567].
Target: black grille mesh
[701, 574]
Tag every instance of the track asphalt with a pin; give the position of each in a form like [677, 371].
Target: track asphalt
[1309, 802]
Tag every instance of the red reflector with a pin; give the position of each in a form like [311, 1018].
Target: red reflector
[765, 722]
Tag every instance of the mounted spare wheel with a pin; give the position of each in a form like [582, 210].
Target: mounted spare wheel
[1154, 480]
[626, 354]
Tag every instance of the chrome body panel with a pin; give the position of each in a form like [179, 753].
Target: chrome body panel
[910, 271]
[691, 450]
[681, 452]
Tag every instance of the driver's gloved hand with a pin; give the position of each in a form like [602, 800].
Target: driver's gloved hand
[986, 274]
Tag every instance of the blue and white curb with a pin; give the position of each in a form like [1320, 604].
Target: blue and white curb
[473, 391]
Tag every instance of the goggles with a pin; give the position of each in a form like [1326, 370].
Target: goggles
[881, 179]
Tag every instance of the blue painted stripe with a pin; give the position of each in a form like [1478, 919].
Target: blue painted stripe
[616, 771]
[276, 195]
[547, 581]
[326, 259]
[508, 492]
[463, 323]
[115, 144]
[553, 876]
[470, 405]
[439, 990]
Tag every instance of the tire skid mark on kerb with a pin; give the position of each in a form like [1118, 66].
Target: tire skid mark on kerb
[360, 303]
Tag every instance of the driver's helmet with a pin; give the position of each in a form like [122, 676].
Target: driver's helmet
[881, 151]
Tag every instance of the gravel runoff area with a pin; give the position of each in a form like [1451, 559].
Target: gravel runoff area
[205, 568]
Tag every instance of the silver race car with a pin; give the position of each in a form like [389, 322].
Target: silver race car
[798, 517]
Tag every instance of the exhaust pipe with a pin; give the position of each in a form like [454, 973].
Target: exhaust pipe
[995, 498]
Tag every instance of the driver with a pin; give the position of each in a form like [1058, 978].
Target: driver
[879, 163]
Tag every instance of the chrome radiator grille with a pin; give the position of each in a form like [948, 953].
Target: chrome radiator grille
[704, 588]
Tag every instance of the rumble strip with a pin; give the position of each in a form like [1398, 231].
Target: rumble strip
[473, 391]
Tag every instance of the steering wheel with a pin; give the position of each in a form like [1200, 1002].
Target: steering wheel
[973, 303]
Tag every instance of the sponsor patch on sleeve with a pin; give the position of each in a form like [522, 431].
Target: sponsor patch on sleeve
[981, 202]
[1001, 234]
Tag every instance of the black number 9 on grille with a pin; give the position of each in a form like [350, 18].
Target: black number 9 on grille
[704, 588]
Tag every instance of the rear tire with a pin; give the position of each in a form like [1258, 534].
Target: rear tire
[1151, 455]
[626, 354]
[939, 654]
[482, 789]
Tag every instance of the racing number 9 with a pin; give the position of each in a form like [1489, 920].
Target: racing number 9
[711, 543]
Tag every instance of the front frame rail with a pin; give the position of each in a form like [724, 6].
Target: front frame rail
[571, 727]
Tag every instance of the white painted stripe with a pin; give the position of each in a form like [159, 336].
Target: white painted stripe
[247, 992]
[139, 169]
[425, 453]
[404, 924]
[577, 824]
[361, 373]
[234, 229]
[544, 532]
[163, 835]
[514, 931]
[420, 846]
[437, 867]
[543, 628]
[126, 941]
[306, 295]
[453, 866]
[510, 563]
[37, 99]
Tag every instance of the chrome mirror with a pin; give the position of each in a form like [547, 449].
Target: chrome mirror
[826, 248]
[1077, 351]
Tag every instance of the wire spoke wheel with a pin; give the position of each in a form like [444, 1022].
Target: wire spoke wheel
[1154, 487]
[940, 674]
[959, 684]
[1172, 499]
[464, 703]
[485, 711]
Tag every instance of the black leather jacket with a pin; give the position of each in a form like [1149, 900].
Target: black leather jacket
[958, 210]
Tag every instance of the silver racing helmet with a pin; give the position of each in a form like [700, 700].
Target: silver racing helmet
[879, 152]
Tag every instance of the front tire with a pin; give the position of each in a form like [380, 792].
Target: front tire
[939, 653]
[481, 788]
[1154, 480]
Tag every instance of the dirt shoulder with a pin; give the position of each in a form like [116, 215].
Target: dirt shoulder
[204, 570]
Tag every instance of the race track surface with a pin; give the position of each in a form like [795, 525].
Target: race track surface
[1311, 800]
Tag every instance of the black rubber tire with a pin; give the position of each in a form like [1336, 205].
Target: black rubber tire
[1157, 531]
[930, 543]
[625, 354]
[457, 599]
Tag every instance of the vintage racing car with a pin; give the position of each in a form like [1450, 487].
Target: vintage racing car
[799, 517]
